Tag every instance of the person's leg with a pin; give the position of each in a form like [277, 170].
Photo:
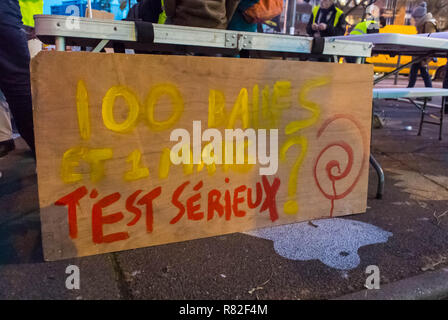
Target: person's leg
[5, 120]
[6, 141]
[445, 86]
[426, 77]
[445, 78]
[413, 75]
[15, 79]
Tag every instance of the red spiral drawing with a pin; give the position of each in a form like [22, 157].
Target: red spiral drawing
[335, 163]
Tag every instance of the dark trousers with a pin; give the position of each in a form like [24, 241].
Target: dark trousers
[445, 86]
[424, 73]
[445, 79]
[15, 78]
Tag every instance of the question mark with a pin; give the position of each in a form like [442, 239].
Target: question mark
[292, 206]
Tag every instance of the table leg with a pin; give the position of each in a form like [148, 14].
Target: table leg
[442, 111]
[100, 46]
[60, 44]
[380, 173]
[398, 66]
[422, 118]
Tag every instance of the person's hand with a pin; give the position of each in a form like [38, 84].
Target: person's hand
[315, 26]
[322, 26]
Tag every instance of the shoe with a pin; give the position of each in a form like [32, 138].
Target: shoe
[6, 147]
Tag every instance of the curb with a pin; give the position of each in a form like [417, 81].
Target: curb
[431, 285]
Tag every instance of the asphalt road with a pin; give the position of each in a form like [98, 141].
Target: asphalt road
[404, 234]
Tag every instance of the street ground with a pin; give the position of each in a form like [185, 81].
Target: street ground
[404, 234]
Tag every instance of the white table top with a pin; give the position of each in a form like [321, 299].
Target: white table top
[435, 35]
[171, 37]
[405, 44]
[395, 93]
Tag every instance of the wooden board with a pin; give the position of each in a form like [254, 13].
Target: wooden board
[99, 14]
[105, 183]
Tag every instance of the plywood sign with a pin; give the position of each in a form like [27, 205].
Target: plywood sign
[125, 157]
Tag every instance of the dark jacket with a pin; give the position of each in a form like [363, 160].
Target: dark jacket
[10, 13]
[332, 30]
[200, 13]
[151, 9]
[146, 10]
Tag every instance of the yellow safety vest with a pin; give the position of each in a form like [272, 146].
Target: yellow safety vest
[361, 28]
[162, 16]
[339, 13]
[29, 8]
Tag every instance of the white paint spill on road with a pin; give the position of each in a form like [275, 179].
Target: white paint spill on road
[335, 241]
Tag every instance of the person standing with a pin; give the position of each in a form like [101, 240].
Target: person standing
[367, 26]
[15, 69]
[326, 20]
[364, 27]
[425, 23]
